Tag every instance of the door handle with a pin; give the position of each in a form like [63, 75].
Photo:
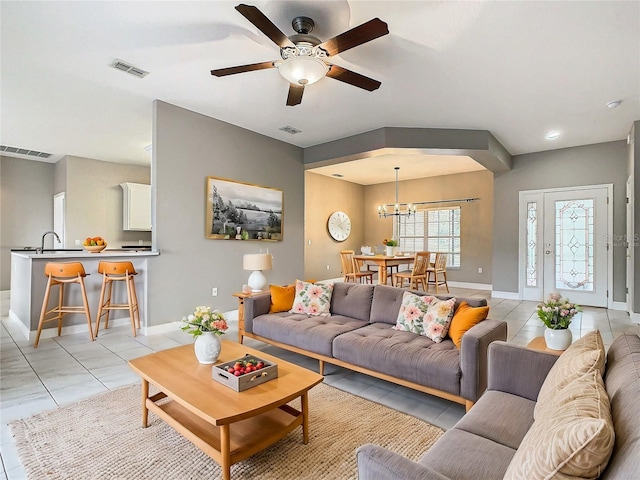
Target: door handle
[547, 252]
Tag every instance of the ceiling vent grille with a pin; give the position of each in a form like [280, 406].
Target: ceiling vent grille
[24, 151]
[128, 68]
[290, 129]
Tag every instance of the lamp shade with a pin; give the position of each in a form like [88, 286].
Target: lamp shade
[303, 70]
[256, 261]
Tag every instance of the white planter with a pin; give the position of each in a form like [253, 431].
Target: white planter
[207, 347]
[391, 251]
[557, 339]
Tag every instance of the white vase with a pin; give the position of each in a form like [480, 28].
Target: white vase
[391, 251]
[557, 339]
[207, 347]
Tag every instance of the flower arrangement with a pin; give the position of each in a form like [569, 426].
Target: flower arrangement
[203, 319]
[557, 312]
[390, 242]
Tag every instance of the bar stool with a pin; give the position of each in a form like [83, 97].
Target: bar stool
[62, 274]
[117, 272]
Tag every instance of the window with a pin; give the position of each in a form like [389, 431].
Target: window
[436, 230]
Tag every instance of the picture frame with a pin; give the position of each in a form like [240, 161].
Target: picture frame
[243, 211]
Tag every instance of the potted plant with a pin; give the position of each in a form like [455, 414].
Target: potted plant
[391, 245]
[556, 314]
[206, 326]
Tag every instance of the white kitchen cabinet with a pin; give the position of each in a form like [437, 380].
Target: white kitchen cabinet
[136, 206]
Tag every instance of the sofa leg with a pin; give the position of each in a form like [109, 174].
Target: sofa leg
[321, 367]
[468, 404]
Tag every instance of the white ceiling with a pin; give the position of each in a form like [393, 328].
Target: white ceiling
[517, 69]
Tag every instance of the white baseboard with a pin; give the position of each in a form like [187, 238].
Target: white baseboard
[505, 295]
[619, 306]
[231, 316]
[635, 317]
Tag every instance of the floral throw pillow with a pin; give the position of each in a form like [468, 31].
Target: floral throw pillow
[312, 298]
[425, 315]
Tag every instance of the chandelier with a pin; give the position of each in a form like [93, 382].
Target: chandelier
[398, 209]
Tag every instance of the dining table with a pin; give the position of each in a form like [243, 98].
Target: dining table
[384, 261]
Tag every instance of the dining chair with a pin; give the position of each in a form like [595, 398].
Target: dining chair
[351, 268]
[437, 273]
[417, 275]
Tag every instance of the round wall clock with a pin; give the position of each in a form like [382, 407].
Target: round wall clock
[339, 226]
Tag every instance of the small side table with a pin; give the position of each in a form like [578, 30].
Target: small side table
[538, 343]
[241, 296]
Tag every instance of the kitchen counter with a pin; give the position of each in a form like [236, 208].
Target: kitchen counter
[28, 284]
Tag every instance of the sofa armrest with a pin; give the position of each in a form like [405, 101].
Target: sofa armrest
[255, 306]
[518, 370]
[474, 357]
[377, 463]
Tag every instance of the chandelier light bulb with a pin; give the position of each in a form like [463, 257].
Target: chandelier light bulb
[304, 70]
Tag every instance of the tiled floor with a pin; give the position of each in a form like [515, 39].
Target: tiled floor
[66, 369]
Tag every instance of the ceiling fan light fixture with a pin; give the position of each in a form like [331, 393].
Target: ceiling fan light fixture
[302, 70]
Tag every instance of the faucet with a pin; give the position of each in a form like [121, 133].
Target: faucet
[43, 236]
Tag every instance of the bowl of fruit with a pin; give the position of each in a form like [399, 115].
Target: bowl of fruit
[94, 244]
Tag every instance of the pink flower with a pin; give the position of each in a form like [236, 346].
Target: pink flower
[313, 309]
[412, 312]
[315, 291]
[435, 329]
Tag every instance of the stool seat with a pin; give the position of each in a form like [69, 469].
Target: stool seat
[117, 272]
[61, 274]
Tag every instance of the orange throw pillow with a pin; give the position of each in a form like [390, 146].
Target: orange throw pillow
[281, 298]
[464, 318]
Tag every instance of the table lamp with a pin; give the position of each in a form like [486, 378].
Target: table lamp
[257, 262]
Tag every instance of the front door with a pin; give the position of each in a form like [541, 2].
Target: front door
[564, 244]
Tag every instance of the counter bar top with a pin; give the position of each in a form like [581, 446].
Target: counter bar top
[66, 254]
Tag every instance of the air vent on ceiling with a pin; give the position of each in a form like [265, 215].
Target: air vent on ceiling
[128, 68]
[24, 151]
[290, 129]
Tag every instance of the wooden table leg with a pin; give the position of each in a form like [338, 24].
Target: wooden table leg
[304, 401]
[225, 451]
[145, 396]
[382, 273]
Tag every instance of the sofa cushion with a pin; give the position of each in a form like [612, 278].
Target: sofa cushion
[281, 298]
[387, 300]
[313, 298]
[404, 355]
[312, 333]
[425, 315]
[622, 381]
[465, 456]
[482, 419]
[352, 300]
[584, 355]
[463, 319]
[572, 439]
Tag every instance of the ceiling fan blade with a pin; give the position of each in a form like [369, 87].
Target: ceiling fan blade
[353, 78]
[265, 25]
[221, 72]
[356, 36]
[295, 94]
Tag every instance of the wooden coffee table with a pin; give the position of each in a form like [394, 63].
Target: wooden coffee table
[228, 426]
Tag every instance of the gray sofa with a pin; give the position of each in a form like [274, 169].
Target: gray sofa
[491, 432]
[359, 335]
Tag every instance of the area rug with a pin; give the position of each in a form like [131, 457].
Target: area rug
[102, 438]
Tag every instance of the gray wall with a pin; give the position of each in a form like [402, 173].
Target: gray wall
[94, 200]
[188, 147]
[586, 165]
[26, 207]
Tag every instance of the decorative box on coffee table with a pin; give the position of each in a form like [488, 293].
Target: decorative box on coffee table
[243, 382]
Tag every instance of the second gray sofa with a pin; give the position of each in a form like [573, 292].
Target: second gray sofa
[359, 335]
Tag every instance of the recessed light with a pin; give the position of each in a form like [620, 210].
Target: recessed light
[552, 135]
[614, 103]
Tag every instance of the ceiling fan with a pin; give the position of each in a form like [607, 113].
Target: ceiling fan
[304, 56]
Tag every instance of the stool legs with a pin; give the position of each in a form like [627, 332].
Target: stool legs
[105, 305]
[60, 310]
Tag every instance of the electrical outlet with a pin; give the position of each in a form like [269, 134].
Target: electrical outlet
[327, 267]
[78, 242]
[214, 292]
[479, 269]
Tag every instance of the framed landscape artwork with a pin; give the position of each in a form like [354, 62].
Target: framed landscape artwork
[242, 211]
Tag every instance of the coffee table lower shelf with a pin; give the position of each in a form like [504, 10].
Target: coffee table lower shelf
[228, 444]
